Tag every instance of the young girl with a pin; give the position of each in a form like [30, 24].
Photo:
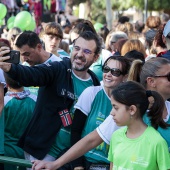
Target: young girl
[137, 146]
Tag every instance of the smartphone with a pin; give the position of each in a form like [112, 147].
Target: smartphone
[14, 57]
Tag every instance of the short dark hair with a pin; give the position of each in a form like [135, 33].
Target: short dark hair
[135, 55]
[123, 19]
[11, 83]
[88, 35]
[82, 26]
[29, 38]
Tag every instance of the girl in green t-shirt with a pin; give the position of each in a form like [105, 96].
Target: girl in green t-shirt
[137, 146]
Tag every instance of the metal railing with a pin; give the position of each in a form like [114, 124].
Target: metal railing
[15, 161]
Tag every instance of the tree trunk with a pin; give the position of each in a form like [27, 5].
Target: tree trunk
[88, 10]
[69, 6]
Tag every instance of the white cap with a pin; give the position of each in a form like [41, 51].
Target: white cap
[166, 29]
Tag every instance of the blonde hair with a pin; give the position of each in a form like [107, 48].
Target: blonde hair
[129, 26]
[133, 44]
[122, 27]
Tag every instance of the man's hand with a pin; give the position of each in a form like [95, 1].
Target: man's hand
[4, 50]
[3, 65]
[45, 165]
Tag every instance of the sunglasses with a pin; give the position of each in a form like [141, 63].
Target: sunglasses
[114, 71]
[167, 76]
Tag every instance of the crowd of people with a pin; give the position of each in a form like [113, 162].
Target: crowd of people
[88, 99]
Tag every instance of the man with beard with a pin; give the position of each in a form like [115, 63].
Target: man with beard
[60, 84]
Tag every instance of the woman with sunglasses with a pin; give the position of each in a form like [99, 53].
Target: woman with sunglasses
[155, 75]
[93, 107]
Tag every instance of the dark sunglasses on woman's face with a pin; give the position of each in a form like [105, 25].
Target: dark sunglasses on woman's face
[167, 76]
[114, 71]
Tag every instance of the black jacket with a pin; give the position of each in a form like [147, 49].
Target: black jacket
[55, 94]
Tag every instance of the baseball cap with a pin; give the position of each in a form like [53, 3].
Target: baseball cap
[167, 29]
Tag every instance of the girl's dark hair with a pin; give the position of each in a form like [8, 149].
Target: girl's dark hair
[124, 62]
[133, 93]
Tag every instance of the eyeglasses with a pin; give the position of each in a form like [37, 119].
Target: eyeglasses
[85, 51]
[114, 71]
[168, 76]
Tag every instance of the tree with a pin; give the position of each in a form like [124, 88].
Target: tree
[69, 6]
[152, 4]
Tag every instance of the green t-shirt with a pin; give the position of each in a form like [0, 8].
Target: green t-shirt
[17, 113]
[62, 140]
[95, 104]
[147, 152]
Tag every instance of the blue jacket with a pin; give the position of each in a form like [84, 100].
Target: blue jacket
[166, 55]
[56, 93]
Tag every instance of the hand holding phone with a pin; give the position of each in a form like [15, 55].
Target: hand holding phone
[14, 57]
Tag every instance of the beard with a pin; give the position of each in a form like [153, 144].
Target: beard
[80, 63]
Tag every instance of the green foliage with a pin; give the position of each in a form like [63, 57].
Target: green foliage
[152, 4]
[101, 19]
[99, 4]
[98, 12]
[119, 5]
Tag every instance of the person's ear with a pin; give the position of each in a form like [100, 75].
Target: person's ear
[151, 83]
[39, 47]
[133, 110]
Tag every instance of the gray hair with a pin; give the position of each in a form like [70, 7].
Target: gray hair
[165, 17]
[151, 67]
[115, 36]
